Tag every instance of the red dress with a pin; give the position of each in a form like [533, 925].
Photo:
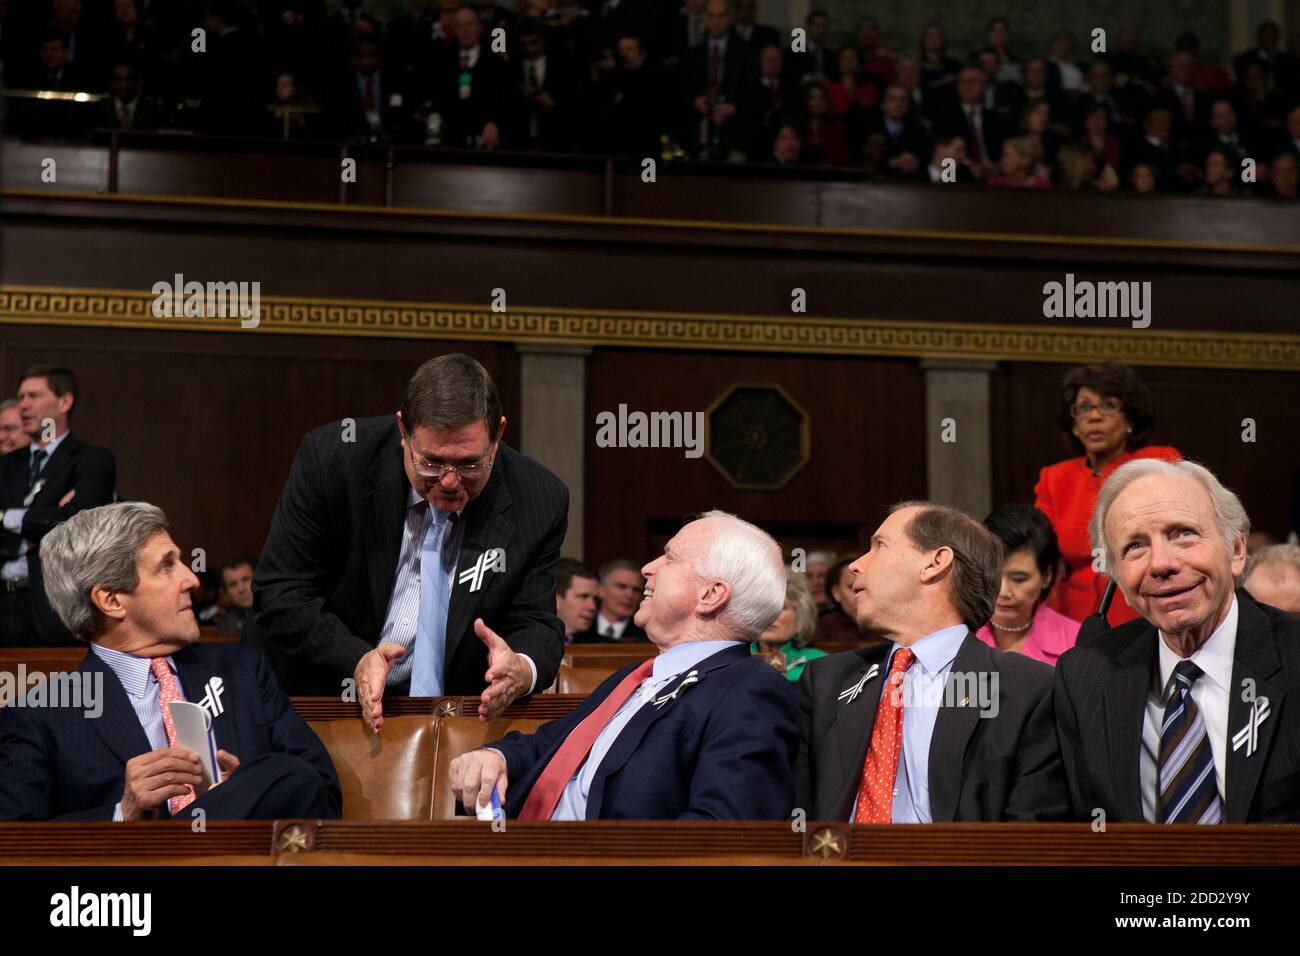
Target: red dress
[1067, 492]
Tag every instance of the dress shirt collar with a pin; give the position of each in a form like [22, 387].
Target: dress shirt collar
[682, 657]
[936, 650]
[133, 672]
[413, 500]
[893, 126]
[49, 448]
[1214, 657]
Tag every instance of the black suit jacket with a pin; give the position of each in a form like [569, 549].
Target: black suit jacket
[57, 763]
[492, 98]
[998, 768]
[1101, 697]
[720, 750]
[631, 634]
[994, 129]
[75, 466]
[322, 586]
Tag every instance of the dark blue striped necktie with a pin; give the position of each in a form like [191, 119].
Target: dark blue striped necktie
[1188, 791]
[38, 459]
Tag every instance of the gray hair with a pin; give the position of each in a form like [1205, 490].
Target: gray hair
[7, 403]
[1274, 554]
[750, 560]
[95, 548]
[1233, 521]
[618, 564]
[798, 595]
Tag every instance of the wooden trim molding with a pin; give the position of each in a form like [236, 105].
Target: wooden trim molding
[800, 335]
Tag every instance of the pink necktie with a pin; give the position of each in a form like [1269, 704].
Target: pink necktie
[167, 693]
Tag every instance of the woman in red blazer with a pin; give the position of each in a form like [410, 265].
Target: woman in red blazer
[1106, 416]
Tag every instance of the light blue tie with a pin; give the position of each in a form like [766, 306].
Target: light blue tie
[431, 629]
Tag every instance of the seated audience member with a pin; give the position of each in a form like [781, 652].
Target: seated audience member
[874, 59]
[815, 568]
[12, 436]
[127, 107]
[1104, 145]
[1153, 722]
[875, 157]
[1021, 622]
[817, 63]
[825, 137]
[775, 101]
[1076, 167]
[236, 593]
[1281, 177]
[851, 93]
[1223, 134]
[756, 35]
[1142, 178]
[933, 726]
[119, 582]
[787, 146]
[1009, 67]
[787, 642]
[621, 587]
[949, 148]
[985, 129]
[576, 586]
[369, 101]
[1106, 417]
[1220, 175]
[1007, 97]
[1273, 577]
[1020, 157]
[635, 102]
[1188, 107]
[1064, 72]
[1036, 124]
[838, 623]
[703, 730]
[1207, 77]
[293, 113]
[938, 69]
[1260, 108]
[1039, 89]
[909, 145]
[907, 74]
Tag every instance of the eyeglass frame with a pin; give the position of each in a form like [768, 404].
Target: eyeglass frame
[1117, 408]
[460, 475]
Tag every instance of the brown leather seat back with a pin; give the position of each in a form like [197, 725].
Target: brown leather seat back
[384, 777]
[581, 680]
[458, 735]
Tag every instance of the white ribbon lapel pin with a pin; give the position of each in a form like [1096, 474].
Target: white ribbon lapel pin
[211, 701]
[850, 694]
[1248, 736]
[692, 678]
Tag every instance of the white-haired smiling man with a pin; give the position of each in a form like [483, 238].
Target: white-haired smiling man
[702, 730]
[1182, 717]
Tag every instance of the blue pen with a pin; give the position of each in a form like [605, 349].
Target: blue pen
[496, 805]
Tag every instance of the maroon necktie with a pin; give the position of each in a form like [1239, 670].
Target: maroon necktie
[715, 61]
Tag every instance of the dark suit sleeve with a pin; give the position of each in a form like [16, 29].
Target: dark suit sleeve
[523, 751]
[804, 773]
[289, 733]
[1039, 790]
[744, 767]
[530, 625]
[27, 753]
[94, 476]
[291, 606]
[1071, 744]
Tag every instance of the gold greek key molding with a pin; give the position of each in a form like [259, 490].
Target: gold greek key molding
[806, 335]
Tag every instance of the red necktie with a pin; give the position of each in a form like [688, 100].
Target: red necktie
[550, 784]
[876, 795]
[167, 693]
[1188, 112]
[976, 147]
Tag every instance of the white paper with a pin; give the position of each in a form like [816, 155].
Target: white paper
[194, 732]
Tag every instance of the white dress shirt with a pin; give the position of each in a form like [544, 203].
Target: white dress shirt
[1210, 693]
[604, 624]
[13, 518]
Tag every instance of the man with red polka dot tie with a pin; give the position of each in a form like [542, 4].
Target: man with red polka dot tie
[934, 725]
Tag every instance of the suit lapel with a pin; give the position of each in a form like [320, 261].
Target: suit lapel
[1255, 659]
[117, 726]
[54, 472]
[196, 671]
[1124, 702]
[487, 526]
[18, 473]
[630, 738]
[855, 703]
[384, 507]
[953, 727]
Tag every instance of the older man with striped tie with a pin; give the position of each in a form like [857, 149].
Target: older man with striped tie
[1181, 717]
[703, 730]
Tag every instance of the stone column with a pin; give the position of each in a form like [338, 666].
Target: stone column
[959, 454]
[553, 387]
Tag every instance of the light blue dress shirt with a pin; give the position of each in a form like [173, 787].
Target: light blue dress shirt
[670, 664]
[13, 521]
[923, 685]
[142, 690]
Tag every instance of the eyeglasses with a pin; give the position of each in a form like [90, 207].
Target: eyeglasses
[1108, 407]
[466, 473]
